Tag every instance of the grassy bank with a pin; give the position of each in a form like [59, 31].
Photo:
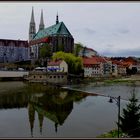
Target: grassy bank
[112, 80]
[111, 134]
[120, 81]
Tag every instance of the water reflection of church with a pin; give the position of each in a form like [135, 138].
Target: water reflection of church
[54, 104]
[57, 108]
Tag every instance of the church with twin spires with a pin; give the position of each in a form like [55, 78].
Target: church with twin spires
[57, 36]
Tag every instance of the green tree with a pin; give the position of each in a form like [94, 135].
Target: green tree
[45, 52]
[74, 63]
[131, 71]
[77, 48]
[130, 119]
[134, 70]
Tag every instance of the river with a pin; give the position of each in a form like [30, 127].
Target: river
[36, 110]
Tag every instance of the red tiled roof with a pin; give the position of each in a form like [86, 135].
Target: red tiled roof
[108, 59]
[93, 60]
[116, 62]
[89, 61]
[54, 63]
[122, 63]
[126, 63]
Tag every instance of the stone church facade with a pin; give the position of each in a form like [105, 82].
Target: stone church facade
[57, 36]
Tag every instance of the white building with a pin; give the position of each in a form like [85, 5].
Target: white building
[93, 67]
[138, 68]
[121, 70]
[57, 66]
[114, 69]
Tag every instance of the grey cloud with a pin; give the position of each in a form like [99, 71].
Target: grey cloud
[120, 32]
[123, 31]
[110, 45]
[126, 52]
[86, 31]
[89, 31]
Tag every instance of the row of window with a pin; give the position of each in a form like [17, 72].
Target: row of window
[93, 72]
[92, 68]
[86, 70]
[59, 76]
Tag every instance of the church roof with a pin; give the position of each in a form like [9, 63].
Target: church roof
[56, 116]
[57, 29]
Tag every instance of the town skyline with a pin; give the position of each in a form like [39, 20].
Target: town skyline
[110, 28]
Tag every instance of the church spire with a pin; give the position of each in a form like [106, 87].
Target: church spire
[56, 125]
[31, 114]
[57, 20]
[32, 16]
[32, 28]
[40, 117]
[41, 25]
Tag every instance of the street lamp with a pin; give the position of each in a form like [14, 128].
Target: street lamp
[117, 99]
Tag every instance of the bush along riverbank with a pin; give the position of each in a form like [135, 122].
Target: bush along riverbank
[112, 134]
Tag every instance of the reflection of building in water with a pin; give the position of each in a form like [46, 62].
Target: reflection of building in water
[31, 112]
[40, 117]
[13, 100]
[55, 104]
[55, 107]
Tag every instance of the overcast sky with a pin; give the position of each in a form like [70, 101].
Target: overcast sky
[110, 28]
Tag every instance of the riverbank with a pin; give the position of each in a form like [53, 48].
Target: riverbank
[111, 134]
[134, 79]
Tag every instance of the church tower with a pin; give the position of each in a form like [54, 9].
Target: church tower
[31, 114]
[57, 20]
[41, 25]
[40, 117]
[32, 28]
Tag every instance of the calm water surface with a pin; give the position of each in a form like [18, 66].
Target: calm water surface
[34, 110]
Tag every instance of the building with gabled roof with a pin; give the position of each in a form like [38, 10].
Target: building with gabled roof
[93, 67]
[97, 66]
[57, 36]
[58, 65]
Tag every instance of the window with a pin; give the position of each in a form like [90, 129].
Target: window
[40, 76]
[34, 76]
[54, 77]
